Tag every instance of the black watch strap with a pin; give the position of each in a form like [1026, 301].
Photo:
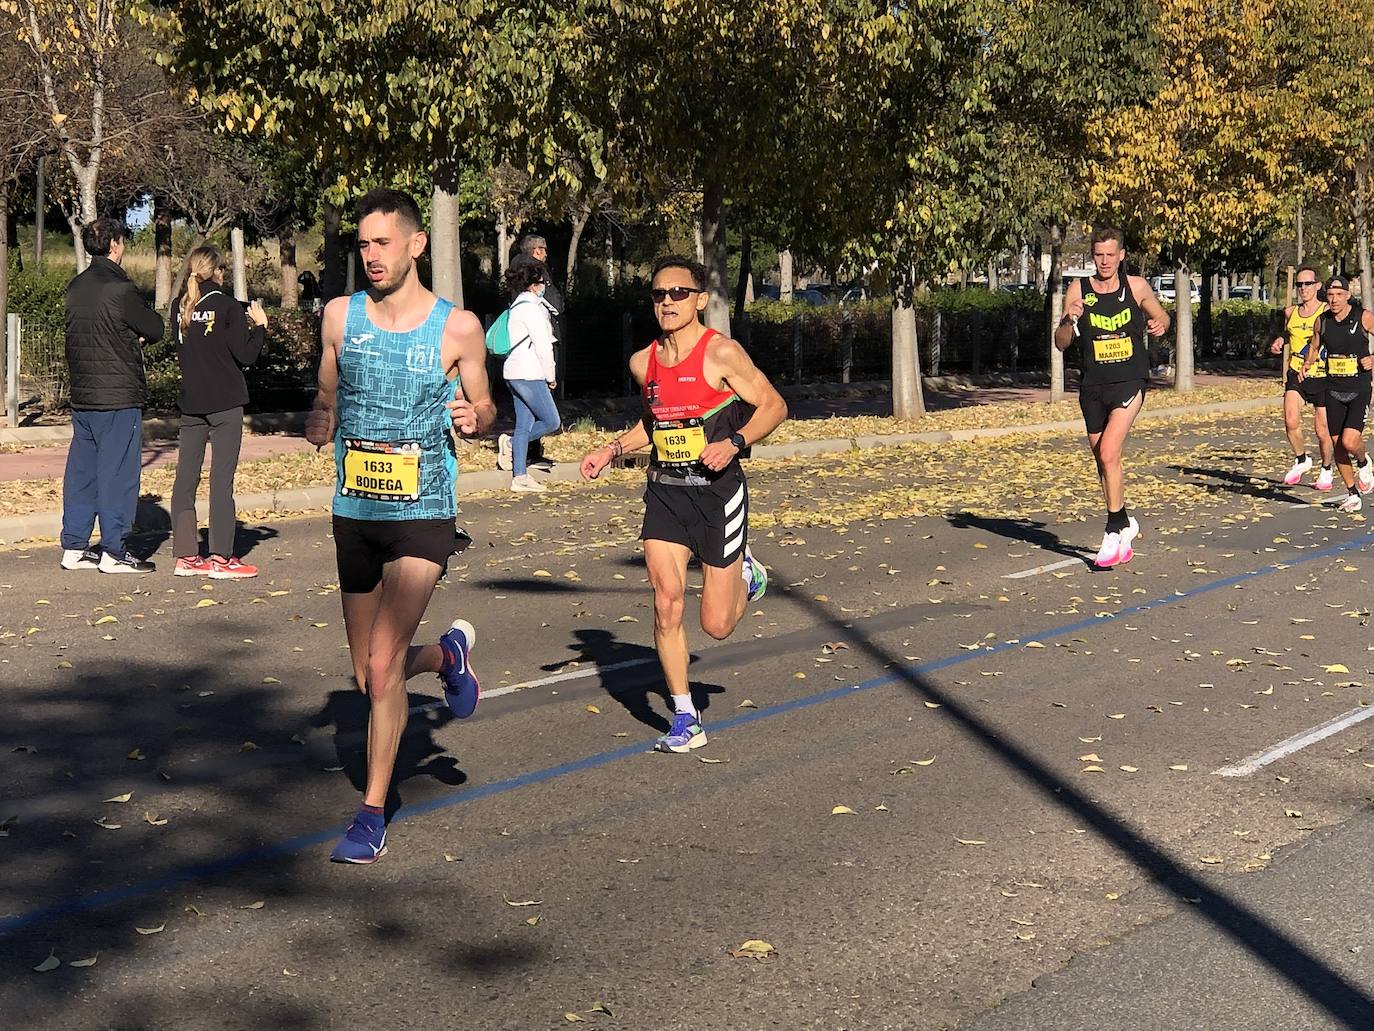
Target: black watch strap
[738, 440]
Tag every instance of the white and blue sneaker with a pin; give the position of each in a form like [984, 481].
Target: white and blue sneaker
[364, 842]
[755, 575]
[685, 734]
[461, 689]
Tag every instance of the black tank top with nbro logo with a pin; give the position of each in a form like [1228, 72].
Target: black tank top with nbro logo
[1345, 343]
[1111, 332]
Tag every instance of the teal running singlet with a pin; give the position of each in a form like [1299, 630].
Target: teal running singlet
[393, 455]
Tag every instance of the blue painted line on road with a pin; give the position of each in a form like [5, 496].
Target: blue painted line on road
[292, 846]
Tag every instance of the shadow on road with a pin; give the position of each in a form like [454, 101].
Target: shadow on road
[1228, 482]
[1029, 531]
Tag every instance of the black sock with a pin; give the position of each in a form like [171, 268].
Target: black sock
[1300, 458]
[1326, 467]
[1118, 520]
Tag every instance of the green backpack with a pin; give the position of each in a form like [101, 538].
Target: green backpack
[498, 335]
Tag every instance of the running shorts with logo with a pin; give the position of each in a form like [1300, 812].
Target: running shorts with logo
[1116, 365]
[1311, 389]
[394, 457]
[1098, 400]
[1347, 384]
[684, 502]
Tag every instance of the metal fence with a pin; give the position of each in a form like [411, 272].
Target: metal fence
[36, 364]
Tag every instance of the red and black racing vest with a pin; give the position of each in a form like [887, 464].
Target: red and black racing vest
[685, 413]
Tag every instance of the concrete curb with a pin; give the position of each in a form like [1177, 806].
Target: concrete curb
[306, 499]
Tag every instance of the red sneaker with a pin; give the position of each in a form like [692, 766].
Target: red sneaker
[230, 568]
[192, 565]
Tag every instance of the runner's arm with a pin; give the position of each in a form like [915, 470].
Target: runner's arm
[465, 350]
[1157, 319]
[1073, 310]
[1367, 323]
[321, 422]
[733, 364]
[1280, 337]
[634, 437]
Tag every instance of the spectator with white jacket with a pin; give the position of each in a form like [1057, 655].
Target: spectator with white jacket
[530, 370]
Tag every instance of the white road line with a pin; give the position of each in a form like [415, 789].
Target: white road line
[1295, 743]
[557, 678]
[1043, 569]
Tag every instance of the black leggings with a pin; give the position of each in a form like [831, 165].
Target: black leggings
[224, 431]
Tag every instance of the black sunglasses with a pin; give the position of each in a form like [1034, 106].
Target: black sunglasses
[677, 293]
[1307, 282]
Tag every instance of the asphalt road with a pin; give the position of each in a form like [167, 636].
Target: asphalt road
[1028, 760]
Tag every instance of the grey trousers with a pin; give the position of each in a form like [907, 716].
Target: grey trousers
[224, 431]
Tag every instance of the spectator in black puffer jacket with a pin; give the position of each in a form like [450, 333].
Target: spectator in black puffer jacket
[107, 325]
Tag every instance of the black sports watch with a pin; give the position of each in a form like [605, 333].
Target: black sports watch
[738, 440]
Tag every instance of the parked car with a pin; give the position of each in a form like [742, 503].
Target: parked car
[1246, 293]
[1163, 286]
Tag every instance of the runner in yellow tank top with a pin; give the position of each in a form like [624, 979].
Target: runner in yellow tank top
[1309, 387]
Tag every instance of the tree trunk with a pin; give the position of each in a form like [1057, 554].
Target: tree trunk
[1362, 231]
[785, 279]
[992, 274]
[610, 256]
[162, 247]
[908, 399]
[1038, 265]
[1183, 327]
[579, 225]
[713, 249]
[332, 277]
[236, 246]
[1202, 332]
[5, 304]
[40, 205]
[1299, 241]
[445, 253]
[746, 267]
[503, 243]
[286, 259]
[1054, 286]
[701, 246]
[1023, 275]
[78, 246]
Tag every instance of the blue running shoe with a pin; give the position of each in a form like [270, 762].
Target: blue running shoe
[364, 842]
[461, 688]
[686, 733]
[755, 575]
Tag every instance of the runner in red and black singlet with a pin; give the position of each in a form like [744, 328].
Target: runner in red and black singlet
[1111, 313]
[705, 403]
[1342, 331]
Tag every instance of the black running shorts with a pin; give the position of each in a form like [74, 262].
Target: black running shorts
[1312, 391]
[1346, 411]
[713, 521]
[1099, 400]
[364, 546]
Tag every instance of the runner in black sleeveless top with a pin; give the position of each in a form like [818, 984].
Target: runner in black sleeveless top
[1110, 314]
[1343, 331]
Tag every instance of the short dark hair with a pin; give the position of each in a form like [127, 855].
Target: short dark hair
[1309, 268]
[1109, 233]
[391, 202]
[532, 243]
[524, 272]
[99, 235]
[694, 268]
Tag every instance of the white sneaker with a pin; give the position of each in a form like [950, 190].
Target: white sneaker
[1109, 554]
[125, 564]
[1323, 480]
[1295, 472]
[1128, 536]
[1352, 503]
[75, 558]
[1364, 476]
[526, 484]
[503, 452]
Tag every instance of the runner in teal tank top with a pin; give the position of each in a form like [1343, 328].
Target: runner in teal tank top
[401, 369]
[394, 452]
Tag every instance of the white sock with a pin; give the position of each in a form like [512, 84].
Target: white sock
[683, 703]
[744, 570]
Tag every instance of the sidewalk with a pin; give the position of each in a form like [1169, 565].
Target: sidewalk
[308, 499]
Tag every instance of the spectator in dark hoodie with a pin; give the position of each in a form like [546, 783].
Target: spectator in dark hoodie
[108, 322]
[215, 339]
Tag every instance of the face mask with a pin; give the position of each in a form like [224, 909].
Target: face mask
[540, 289]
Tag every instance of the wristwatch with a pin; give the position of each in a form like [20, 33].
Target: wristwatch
[738, 440]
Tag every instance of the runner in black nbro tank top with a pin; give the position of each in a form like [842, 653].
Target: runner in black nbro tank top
[1343, 334]
[705, 402]
[1110, 314]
